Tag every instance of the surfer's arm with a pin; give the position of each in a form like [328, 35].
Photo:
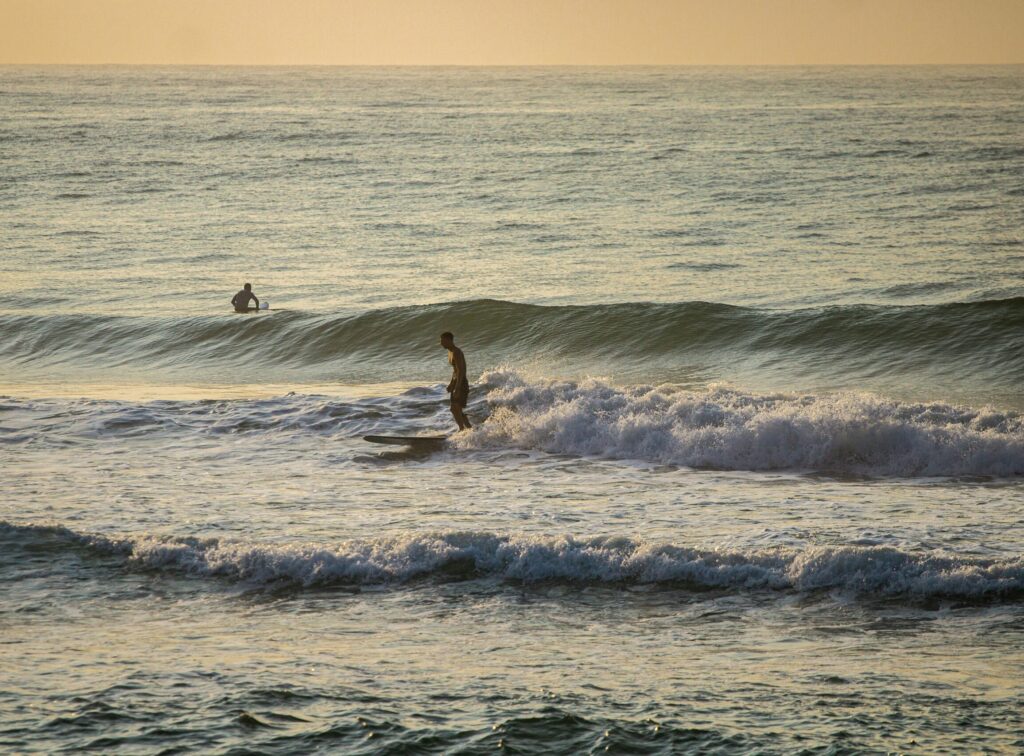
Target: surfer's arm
[459, 370]
[453, 361]
[256, 300]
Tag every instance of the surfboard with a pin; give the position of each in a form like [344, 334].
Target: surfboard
[416, 442]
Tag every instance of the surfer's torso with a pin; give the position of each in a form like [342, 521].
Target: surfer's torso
[241, 300]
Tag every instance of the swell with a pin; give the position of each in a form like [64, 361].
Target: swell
[983, 339]
[871, 571]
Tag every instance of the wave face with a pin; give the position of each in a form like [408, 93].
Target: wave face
[983, 340]
[872, 571]
[735, 430]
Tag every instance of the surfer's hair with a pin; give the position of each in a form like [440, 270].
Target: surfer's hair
[247, 286]
[447, 335]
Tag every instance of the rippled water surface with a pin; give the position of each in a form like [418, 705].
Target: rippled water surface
[746, 350]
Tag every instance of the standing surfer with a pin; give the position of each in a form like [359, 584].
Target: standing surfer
[459, 386]
[241, 300]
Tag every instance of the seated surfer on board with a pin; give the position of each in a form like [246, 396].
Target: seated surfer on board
[241, 300]
[459, 386]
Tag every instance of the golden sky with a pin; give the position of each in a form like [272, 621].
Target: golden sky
[511, 32]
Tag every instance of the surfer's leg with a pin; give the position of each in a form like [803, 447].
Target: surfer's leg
[460, 398]
[460, 417]
[458, 412]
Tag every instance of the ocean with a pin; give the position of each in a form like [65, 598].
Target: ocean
[746, 352]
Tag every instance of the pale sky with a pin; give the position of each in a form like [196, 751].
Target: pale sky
[512, 32]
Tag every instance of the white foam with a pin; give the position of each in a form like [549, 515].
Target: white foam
[871, 570]
[729, 429]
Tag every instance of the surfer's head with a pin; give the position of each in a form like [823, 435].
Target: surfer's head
[248, 287]
[447, 340]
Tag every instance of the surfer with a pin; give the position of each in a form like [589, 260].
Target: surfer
[241, 300]
[459, 386]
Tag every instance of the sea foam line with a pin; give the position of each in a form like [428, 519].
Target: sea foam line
[870, 570]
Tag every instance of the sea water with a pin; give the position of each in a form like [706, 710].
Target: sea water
[747, 356]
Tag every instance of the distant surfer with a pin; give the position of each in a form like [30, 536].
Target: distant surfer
[459, 386]
[241, 300]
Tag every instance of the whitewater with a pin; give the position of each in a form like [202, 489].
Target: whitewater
[746, 350]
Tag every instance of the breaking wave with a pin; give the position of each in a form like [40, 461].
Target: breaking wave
[730, 429]
[714, 428]
[879, 571]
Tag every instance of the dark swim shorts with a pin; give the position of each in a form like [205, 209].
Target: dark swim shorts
[460, 396]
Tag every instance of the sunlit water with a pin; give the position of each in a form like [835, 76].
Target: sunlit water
[747, 348]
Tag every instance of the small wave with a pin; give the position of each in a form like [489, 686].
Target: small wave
[63, 423]
[727, 429]
[314, 136]
[700, 242]
[231, 136]
[917, 289]
[887, 152]
[702, 267]
[396, 104]
[668, 153]
[997, 152]
[872, 571]
[328, 159]
[673, 233]
[969, 207]
[519, 225]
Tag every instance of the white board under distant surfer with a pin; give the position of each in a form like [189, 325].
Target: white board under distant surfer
[416, 442]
